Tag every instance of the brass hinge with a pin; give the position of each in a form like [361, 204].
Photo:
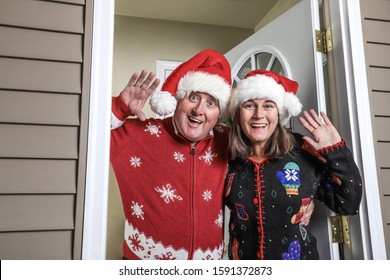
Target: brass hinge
[340, 229]
[324, 40]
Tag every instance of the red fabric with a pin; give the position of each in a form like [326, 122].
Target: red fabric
[208, 61]
[119, 108]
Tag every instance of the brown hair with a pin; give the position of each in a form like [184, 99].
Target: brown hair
[278, 145]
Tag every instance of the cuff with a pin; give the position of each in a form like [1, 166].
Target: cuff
[336, 146]
[120, 109]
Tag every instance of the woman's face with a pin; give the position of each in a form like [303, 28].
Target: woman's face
[258, 120]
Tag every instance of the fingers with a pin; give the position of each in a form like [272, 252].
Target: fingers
[133, 80]
[141, 78]
[148, 81]
[145, 81]
[305, 220]
[154, 85]
[325, 118]
[306, 125]
[313, 119]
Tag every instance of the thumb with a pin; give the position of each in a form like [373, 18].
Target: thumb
[140, 115]
[310, 142]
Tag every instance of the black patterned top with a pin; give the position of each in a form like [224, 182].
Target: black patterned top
[268, 199]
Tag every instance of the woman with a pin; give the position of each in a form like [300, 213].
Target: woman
[274, 174]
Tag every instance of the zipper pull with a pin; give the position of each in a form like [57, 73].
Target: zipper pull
[192, 150]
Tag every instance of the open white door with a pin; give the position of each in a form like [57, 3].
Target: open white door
[289, 41]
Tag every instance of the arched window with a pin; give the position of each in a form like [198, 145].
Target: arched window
[260, 57]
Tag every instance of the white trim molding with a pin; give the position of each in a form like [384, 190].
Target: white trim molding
[97, 174]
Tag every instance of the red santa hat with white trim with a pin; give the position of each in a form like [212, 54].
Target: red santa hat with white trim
[208, 72]
[272, 86]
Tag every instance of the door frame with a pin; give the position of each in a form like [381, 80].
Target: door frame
[96, 197]
[98, 157]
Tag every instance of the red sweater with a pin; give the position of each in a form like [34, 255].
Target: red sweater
[172, 193]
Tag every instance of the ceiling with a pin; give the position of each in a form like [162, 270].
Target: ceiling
[234, 13]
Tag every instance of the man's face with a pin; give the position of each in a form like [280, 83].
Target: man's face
[196, 115]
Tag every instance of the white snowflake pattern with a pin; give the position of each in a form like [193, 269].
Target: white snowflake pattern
[137, 210]
[207, 195]
[208, 156]
[291, 174]
[153, 129]
[219, 220]
[179, 157]
[167, 193]
[219, 129]
[135, 162]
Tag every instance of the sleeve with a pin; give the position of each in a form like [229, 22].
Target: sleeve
[119, 112]
[341, 184]
[119, 132]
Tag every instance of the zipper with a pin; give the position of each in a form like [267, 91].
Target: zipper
[192, 226]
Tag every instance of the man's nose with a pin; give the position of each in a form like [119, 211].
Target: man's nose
[199, 108]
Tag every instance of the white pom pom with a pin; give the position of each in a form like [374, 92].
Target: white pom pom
[292, 104]
[292, 107]
[162, 103]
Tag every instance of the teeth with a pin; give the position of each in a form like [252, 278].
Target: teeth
[194, 120]
[257, 125]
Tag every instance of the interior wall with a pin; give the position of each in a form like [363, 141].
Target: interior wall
[277, 10]
[138, 43]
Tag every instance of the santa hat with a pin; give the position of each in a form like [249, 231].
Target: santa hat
[208, 72]
[272, 86]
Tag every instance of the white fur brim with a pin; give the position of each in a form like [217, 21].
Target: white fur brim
[261, 86]
[212, 84]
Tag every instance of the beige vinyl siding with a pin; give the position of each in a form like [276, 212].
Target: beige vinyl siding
[44, 96]
[34, 245]
[376, 34]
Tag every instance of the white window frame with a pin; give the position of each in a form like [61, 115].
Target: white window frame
[164, 68]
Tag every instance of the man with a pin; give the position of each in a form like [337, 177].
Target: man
[171, 172]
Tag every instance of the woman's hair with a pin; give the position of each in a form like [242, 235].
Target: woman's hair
[278, 145]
